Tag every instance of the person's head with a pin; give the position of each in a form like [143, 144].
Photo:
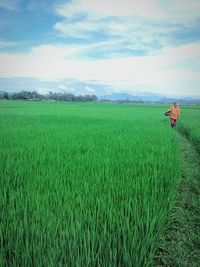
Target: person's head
[176, 104]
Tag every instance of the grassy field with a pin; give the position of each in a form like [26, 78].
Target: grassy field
[190, 124]
[180, 243]
[84, 184]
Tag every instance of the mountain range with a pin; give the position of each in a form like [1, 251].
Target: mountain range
[149, 97]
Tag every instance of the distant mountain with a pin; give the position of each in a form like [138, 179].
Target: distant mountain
[130, 97]
[148, 97]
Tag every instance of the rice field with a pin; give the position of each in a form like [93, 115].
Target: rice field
[190, 124]
[84, 184]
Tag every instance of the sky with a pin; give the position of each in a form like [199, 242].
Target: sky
[100, 46]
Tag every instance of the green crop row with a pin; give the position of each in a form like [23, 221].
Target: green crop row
[190, 124]
[84, 184]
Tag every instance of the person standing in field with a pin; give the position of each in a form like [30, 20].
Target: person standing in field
[174, 113]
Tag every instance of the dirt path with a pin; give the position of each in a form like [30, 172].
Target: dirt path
[180, 245]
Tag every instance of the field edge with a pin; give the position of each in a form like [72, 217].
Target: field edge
[180, 243]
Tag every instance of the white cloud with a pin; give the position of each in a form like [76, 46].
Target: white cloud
[49, 62]
[62, 87]
[65, 88]
[89, 90]
[85, 16]
[126, 27]
[184, 11]
[173, 10]
[172, 55]
[111, 8]
[51, 52]
[133, 24]
[187, 6]
[77, 29]
[6, 44]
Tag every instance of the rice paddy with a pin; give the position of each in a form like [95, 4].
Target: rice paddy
[190, 124]
[84, 184]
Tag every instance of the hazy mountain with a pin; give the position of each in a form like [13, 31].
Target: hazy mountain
[148, 97]
[131, 97]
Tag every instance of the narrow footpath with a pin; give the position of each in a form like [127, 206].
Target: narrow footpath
[180, 246]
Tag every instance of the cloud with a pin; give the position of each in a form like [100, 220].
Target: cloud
[111, 8]
[176, 11]
[6, 44]
[175, 54]
[116, 18]
[50, 63]
[62, 87]
[119, 45]
[182, 11]
[79, 29]
[89, 90]
[134, 27]
[65, 86]
[115, 37]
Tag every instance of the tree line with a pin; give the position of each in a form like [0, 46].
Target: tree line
[33, 95]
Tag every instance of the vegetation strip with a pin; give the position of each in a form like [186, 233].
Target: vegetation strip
[187, 133]
[180, 244]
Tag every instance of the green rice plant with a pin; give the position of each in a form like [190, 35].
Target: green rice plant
[190, 124]
[84, 184]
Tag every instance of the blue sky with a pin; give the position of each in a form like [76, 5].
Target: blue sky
[100, 47]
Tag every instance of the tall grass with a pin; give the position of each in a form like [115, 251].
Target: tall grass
[190, 124]
[84, 184]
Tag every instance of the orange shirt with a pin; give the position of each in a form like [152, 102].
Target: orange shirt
[175, 112]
